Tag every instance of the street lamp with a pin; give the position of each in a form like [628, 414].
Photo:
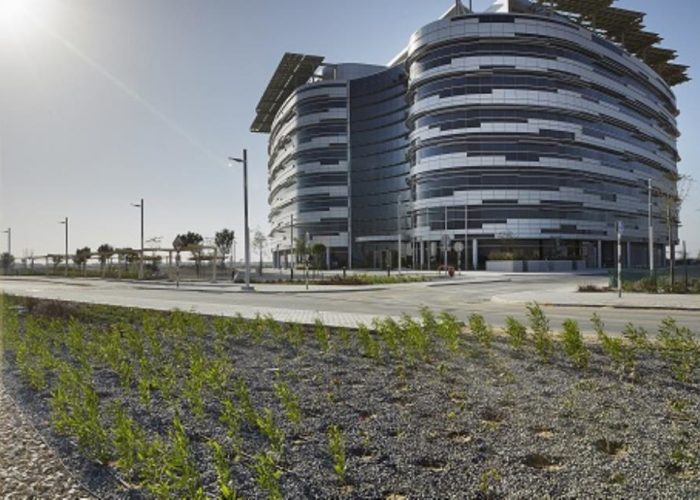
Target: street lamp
[140, 205]
[65, 222]
[651, 231]
[246, 233]
[8, 232]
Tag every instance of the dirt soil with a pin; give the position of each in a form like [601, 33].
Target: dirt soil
[481, 423]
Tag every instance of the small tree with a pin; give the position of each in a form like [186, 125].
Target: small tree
[300, 247]
[105, 252]
[6, 261]
[224, 241]
[56, 260]
[319, 251]
[259, 242]
[191, 241]
[81, 257]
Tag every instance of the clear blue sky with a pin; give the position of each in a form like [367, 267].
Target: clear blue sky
[103, 102]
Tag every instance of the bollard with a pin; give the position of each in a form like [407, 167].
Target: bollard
[292, 273]
[388, 271]
[344, 269]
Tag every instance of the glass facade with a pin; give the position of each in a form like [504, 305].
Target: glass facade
[522, 133]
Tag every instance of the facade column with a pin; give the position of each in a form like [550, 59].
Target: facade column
[475, 253]
[600, 254]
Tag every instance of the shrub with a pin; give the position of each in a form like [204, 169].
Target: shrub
[289, 401]
[516, 331]
[370, 347]
[323, 337]
[480, 329]
[223, 474]
[268, 475]
[679, 349]
[336, 447]
[415, 338]
[573, 344]
[541, 333]
[448, 329]
[621, 355]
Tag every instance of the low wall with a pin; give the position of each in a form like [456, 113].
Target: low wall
[535, 266]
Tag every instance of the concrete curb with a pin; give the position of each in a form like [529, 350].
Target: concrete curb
[589, 305]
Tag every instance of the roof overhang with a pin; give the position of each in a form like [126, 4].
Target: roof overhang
[292, 71]
[626, 28]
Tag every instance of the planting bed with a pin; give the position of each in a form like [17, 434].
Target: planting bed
[143, 403]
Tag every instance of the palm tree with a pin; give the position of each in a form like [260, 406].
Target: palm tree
[259, 242]
[105, 252]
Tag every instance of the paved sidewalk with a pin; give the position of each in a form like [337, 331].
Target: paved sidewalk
[569, 298]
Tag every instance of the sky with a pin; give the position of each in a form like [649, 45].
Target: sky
[105, 102]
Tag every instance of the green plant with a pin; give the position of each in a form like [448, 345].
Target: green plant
[448, 328]
[268, 475]
[637, 337]
[573, 344]
[415, 338]
[370, 347]
[679, 349]
[243, 395]
[516, 331]
[289, 401]
[480, 329]
[344, 335]
[75, 411]
[621, 355]
[265, 422]
[128, 440]
[541, 333]
[295, 335]
[176, 475]
[490, 477]
[223, 473]
[231, 418]
[336, 447]
[390, 332]
[322, 334]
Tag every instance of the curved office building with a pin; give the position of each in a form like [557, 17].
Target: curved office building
[525, 132]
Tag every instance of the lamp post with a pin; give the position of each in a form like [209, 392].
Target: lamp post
[140, 205]
[651, 233]
[65, 222]
[246, 233]
[8, 232]
[398, 228]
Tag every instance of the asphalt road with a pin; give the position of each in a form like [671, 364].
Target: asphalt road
[461, 299]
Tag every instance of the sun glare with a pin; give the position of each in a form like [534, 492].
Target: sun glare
[17, 17]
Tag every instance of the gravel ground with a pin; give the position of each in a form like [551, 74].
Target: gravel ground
[29, 468]
[481, 423]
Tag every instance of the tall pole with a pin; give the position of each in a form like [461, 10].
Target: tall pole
[246, 235]
[619, 260]
[651, 234]
[141, 263]
[444, 240]
[8, 231]
[291, 240]
[466, 235]
[245, 213]
[398, 229]
[65, 222]
[140, 205]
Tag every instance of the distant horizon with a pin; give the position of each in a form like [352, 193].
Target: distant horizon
[104, 104]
